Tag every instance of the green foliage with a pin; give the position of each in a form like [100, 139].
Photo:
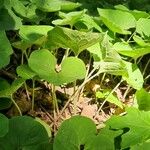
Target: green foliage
[137, 123]
[22, 133]
[5, 49]
[32, 35]
[4, 125]
[143, 99]
[47, 69]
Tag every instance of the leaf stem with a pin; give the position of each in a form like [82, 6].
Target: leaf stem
[16, 105]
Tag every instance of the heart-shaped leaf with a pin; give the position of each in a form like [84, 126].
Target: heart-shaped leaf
[49, 5]
[138, 123]
[5, 49]
[4, 125]
[23, 133]
[74, 133]
[125, 49]
[135, 77]
[142, 27]
[8, 19]
[4, 102]
[13, 88]
[77, 41]
[117, 20]
[25, 72]
[46, 69]
[35, 34]
[143, 99]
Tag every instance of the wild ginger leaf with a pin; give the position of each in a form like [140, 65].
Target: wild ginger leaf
[117, 20]
[35, 34]
[138, 123]
[71, 68]
[142, 27]
[143, 99]
[4, 125]
[134, 77]
[23, 132]
[77, 41]
[73, 133]
[5, 49]
[125, 49]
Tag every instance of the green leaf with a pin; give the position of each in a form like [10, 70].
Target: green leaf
[110, 67]
[135, 77]
[75, 40]
[69, 6]
[27, 12]
[117, 20]
[5, 50]
[13, 88]
[35, 34]
[73, 133]
[69, 18]
[109, 97]
[4, 102]
[25, 72]
[23, 133]
[143, 99]
[8, 19]
[4, 125]
[49, 5]
[45, 125]
[105, 140]
[46, 69]
[138, 123]
[142, 146]
[140, 41]
[142, 27]
[125, 49]
[89, 22]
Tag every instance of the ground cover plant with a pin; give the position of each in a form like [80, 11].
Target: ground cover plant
[74, 75]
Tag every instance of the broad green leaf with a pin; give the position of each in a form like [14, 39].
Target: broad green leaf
[45, 125]
[4, 102]
[125, 49]
[138, 123]
[105, 140]
[75, 40]
[139, 14]
[109, 97]
[142, 27]
[34, 34]
[13, 88]
[73, 133]
[8, 19]
[5, 49]
[135, 77]
[68, 5]
[143, 99]
[27, 12]
[23, 133]
[4, 125]
[116, 20]
[140, 41]
[136, 13]
[142, 146]
[22, 45]
[96, 51]
[25, 72]
[110, 67]
[47, 69]
[49, 5]
[88, 22]
[69, 18]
